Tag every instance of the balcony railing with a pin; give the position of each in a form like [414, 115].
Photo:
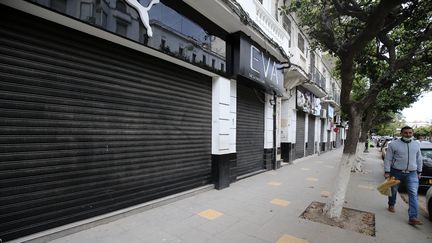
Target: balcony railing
[316, 77]
[268, 23]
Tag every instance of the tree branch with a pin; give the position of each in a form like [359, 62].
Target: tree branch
[327, 36]
[391, 48]
[374, 24]
[350, 9]
[414, 51]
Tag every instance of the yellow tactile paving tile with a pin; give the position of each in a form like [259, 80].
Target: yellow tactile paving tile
[280, 202]
[325, 194]
[210, 214]
[311, 179]
[274, 183]
[304, 168]
[366, 187]
[291, 239]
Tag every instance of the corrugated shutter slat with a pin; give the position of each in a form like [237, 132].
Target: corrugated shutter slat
[250, 130]
[88, 127]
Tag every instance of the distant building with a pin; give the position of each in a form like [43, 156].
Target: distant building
[417, 124]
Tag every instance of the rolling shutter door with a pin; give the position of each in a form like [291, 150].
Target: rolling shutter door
[311, 135]
[300, 135]
[88, 127]
[250, 130]
[322, 147]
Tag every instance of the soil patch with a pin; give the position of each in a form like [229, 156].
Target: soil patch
[351, 219]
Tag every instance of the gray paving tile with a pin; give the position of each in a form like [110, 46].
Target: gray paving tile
[248, 216]
[193, 235]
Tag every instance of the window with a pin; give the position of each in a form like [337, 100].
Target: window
[213, 63]
[222, 67]
[103, 20]
[180, 51]
[59, 5]
[204, 59]
[121, 28]
[86, 12]
[163, 43]
[301, 43]
[121, 6]
[287, 26]
[333, 89]
[193, 57]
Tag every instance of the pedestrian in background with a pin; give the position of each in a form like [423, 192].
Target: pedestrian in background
[403, 161]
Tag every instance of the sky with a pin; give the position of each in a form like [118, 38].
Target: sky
[420, 110]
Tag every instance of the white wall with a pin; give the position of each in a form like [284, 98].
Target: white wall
[285, 122]
[288, 118]
[268, 122]
[221, 115]
[317, 131]
[233, 116]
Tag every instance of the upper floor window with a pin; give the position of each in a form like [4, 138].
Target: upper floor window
[286, 23]
[121, 28]
[103, 17]
[163, 43]
[86, 12]
[121, 6]
[333, 89]
[301, 43]
[59, 5]
[204, 59]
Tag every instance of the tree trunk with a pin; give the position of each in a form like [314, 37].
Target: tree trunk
[363, 145]
[333, 208]
[357, 165]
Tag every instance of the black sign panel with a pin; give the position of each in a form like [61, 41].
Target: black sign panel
[256, 64]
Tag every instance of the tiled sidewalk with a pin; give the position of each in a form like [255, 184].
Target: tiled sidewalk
[265, 208]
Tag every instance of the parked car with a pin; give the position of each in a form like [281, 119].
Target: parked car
[429, 202]
[425, 181]
[384, 148]
[426, 176]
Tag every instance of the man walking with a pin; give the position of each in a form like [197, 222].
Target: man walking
[403, 161]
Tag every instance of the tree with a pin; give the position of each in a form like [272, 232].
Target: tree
[396, 32]
[423, 133]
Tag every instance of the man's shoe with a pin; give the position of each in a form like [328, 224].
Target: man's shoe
[414, 221]
[391, 209]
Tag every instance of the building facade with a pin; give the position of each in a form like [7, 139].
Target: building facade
[108, 104]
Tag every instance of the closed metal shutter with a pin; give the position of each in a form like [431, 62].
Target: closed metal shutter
[311, 135]
[300, 135]
[88, 127]
[322, 147]
[250, 130]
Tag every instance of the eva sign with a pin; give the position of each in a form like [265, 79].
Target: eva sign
[256, 64]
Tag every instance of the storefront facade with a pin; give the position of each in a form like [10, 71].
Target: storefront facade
[106, 107]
